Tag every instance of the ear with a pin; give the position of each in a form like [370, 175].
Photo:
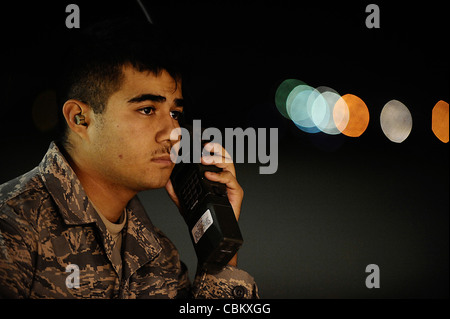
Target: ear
[72, 110]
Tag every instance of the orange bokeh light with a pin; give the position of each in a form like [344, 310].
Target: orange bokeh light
[439, 121]
[351, 115]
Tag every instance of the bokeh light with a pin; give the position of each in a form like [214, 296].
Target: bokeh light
[322, 110]
[439, 121]
[351, 115]
[282, 94]
[396, 121]
[298, 106]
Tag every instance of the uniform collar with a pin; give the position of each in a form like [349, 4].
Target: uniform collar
[65, 188]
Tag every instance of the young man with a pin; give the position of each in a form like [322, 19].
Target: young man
[78, 210]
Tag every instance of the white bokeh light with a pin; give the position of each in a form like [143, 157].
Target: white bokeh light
[396, 121]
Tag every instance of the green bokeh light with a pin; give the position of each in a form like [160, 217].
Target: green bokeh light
[282, 93]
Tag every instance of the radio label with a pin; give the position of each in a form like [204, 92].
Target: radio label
[202, 226]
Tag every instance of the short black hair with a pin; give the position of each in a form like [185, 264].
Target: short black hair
[91, 68]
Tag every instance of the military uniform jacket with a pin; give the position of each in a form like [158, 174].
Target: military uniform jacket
[53, 244]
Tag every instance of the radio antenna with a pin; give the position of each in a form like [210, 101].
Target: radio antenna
[145, 11]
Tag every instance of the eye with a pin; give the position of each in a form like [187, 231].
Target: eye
[147, 110]
[176, 115]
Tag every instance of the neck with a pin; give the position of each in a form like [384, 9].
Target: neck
[108, 198]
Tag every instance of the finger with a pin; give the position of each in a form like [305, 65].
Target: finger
[224, 177]
[169, 187]
[219, 162]
[171, 191]
[215, 159]
[217, 150]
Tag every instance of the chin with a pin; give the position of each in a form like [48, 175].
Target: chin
[156, 182]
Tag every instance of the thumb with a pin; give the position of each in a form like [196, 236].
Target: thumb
[171, 192]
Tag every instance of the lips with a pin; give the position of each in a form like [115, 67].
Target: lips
[163, 159]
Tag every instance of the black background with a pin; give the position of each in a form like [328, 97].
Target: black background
[336, 204]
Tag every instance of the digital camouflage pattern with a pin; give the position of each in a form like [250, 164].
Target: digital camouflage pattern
[47, 223]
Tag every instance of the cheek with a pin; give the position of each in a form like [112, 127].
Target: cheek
[130, 144]
[126, 142]
[110, 142]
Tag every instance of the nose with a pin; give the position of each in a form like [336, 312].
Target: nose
[165, 126]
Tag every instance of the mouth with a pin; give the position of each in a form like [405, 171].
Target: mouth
[163, 160]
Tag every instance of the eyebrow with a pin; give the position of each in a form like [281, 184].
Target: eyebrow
[153, 98]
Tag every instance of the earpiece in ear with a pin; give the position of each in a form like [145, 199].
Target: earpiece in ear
[80, 120]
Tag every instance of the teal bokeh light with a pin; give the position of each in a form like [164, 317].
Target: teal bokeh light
[311, 109]
[299, 107]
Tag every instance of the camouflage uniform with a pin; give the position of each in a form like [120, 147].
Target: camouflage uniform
[47, 223]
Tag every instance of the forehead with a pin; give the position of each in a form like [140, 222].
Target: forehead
[135, 82]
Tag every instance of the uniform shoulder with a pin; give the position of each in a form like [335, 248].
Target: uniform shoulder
[22, 195]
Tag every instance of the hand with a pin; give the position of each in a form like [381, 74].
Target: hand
[222, 159]
[235, 193]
